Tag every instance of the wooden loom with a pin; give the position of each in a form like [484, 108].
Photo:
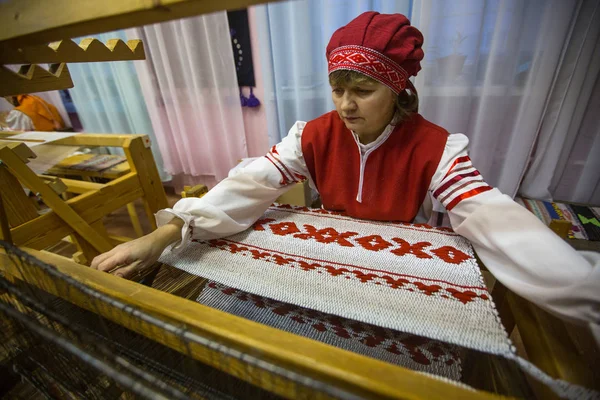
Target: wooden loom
[313, 370]
[81, 215]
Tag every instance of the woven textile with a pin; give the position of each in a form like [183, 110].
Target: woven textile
[584, 220]
[589, 220]
[405, 277]
[412, 278]
[415, 352]
[98, 163]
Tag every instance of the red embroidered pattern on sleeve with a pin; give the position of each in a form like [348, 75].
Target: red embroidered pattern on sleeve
[462, 181]
[287, 175]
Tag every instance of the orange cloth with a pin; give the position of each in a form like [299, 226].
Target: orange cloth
[44, 116]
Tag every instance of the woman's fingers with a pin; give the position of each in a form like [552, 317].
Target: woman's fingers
[128, 271]
[101, 258]
[113, 261]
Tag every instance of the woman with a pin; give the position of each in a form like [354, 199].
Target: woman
[375, 157]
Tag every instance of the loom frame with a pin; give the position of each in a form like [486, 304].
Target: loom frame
[348, 372]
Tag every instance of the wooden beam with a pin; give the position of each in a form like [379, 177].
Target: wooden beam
[549, 345]
[135, 221]
[33, 78]
[142, 162]
[88, 50]
[348, 372]
[31, 22]
[18, 207]
[116, 240]
[91, 206]
[75, 186]
[22, 151]
[96, 140]
[86, 252]
[4, 227]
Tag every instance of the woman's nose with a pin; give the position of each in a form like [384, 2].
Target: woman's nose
[348, 103]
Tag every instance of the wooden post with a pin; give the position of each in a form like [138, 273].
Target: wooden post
[135, 221]
[87, 252]
[140, 159]
[5, 229]
[18, 207]
[550, 346]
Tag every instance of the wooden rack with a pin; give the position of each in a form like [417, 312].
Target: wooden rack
[88, 50]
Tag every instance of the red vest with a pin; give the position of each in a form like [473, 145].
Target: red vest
[396, 175]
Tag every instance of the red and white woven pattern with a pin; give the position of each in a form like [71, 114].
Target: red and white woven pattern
[412, 278]
[461, 182]
[371, 63]
[415, 352]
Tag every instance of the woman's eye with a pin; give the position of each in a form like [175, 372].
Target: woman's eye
[364, 91]
[338, 91]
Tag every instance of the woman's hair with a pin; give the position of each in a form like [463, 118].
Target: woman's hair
[406, 103]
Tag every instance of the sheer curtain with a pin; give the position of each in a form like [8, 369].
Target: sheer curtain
[190, 87]
[566, 162]
[108, 99]
[489, 69]
[295, 34]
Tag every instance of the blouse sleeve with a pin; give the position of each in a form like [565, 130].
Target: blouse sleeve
[516, 247]
[236, 202]
[19, 121]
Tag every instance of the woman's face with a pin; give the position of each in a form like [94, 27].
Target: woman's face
[366, 108]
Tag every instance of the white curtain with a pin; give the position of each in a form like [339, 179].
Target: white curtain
[566, 162]
[489, 69]
[190, 87]
[108, 99]
[295, 34]
[578, 176]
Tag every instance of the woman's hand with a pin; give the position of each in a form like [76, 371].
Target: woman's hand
[139, 253]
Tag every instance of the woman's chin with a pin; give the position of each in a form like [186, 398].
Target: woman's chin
[353, 125]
